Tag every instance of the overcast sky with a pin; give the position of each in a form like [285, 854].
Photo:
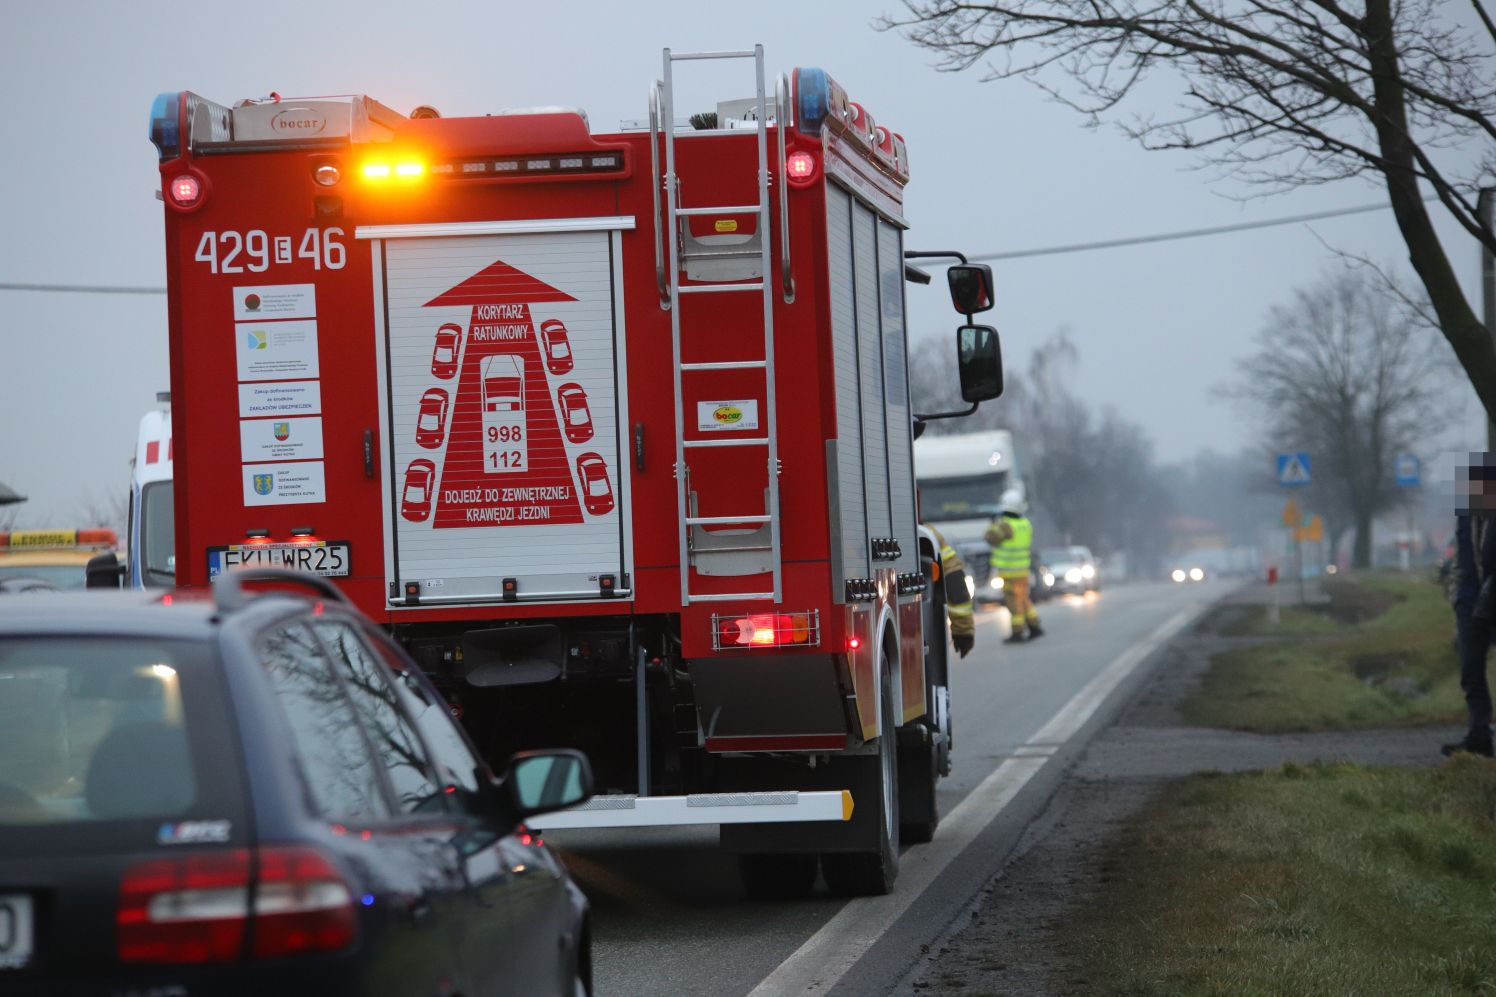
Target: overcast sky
[995, 167]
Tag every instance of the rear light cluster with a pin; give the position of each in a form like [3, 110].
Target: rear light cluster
[185, 190]
[529, 166]
[766, 630]
[200, 908]
[801, 167]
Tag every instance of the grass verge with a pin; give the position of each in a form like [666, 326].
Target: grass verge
[1308, 879]
[1380, 654]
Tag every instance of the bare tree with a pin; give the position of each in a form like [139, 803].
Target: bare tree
[1281, 93]
[1344, 373]
[109, 509]
[1092, 480]
[1089, 480]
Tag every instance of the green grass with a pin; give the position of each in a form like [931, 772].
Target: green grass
[1292, 622]
[1308, 879]
[1394, 666]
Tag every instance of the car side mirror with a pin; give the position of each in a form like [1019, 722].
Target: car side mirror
[539, 782]
[971, 287]
[979, 360]
[104, 571]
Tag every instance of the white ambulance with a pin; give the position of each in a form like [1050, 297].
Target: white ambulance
[151, 534]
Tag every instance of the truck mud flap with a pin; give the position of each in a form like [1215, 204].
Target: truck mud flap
[783, 702]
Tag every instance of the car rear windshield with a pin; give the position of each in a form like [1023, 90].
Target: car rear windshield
[102, 729]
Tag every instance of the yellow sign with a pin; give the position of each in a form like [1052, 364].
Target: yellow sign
[1313, 530]
[43, 538]
[727, 225]
[1291, 514]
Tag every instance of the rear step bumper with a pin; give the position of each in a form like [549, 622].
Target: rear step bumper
[701, 808]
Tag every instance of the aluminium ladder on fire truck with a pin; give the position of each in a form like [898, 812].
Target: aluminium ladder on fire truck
[663, 106]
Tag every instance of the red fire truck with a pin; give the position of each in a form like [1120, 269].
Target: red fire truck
[613, 431]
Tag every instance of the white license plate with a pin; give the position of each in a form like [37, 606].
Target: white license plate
[15, 930]
[331, 558]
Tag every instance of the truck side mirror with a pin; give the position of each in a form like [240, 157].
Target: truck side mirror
[971, 287]
[104, 571]
[979, 358]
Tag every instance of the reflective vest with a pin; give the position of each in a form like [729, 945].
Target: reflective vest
[1012, 558]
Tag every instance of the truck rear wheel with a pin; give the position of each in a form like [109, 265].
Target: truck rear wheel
[862, 874]
[773, 876]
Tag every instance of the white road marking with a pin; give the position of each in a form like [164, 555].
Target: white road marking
[820, 963]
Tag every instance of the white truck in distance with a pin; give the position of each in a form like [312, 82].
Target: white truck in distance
[961, 478]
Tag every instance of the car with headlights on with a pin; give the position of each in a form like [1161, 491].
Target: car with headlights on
[260, 794]
[1062, 570]
[1187, 573]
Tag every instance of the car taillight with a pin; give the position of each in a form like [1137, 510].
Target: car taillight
[766, 630]
[301, 905]
[185, 909]
[197, 908]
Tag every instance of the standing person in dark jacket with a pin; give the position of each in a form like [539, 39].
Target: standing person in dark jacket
[1474, 592]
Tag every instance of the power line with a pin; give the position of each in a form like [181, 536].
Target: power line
[1193, 233]
[82, 288]
[1015, 254]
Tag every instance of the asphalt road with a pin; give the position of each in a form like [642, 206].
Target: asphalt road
[670, 916]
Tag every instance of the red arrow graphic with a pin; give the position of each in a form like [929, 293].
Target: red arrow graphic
[506, 463]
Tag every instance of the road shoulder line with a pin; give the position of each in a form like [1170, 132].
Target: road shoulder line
[829, 954]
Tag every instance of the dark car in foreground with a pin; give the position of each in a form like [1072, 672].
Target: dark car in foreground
[261, 794]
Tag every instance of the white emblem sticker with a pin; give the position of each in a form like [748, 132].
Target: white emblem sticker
[194, 832]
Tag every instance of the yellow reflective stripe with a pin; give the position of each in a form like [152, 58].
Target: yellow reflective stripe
[947, 552]
[955, 610]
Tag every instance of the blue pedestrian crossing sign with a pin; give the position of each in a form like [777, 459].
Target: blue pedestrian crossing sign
[1407, 470]
[1293, 469]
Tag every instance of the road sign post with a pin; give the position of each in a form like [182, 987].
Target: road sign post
[1408, 472]
[1294, 471]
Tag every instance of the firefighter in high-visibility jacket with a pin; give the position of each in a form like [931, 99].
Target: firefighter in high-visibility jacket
[951, 574]
[1012, 538]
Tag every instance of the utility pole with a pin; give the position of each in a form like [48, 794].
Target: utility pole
[1486, 208]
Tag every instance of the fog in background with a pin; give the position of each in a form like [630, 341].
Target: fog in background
[995, 167]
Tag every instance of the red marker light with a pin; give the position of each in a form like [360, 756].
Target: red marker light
[800, 166]
[853, 643]
[185, 190]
